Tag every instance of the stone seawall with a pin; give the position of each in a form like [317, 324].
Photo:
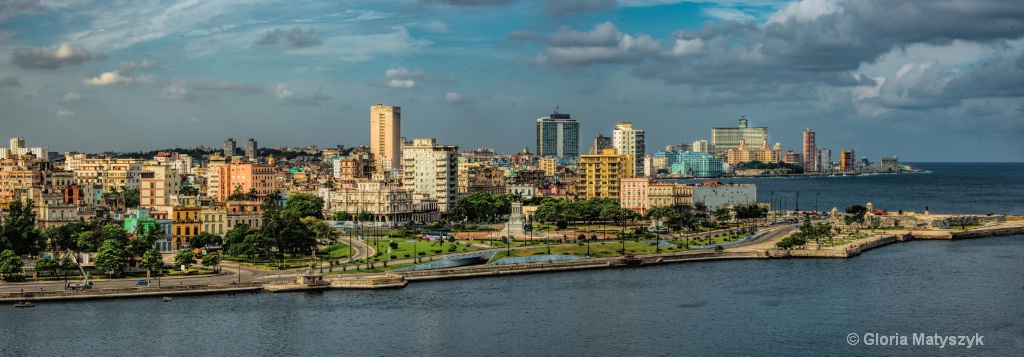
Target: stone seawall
[987, 232]
[131, 292]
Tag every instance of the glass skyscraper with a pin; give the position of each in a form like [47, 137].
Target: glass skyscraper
[558, 136]
[725, 139]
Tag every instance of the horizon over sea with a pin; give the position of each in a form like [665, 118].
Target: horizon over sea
[744, 307]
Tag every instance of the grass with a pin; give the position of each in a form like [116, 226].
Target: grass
[338, 251]
[714, 240]
[405, 246]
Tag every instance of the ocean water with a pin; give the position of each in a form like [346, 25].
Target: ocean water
[978, 188]
[754, 307]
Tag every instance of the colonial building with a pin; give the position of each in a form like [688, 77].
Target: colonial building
[600, 175]
[432, 169]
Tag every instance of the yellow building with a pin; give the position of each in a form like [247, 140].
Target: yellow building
[600, 174]
[185, 224]
[214, 219]
[549, 165]
[386, 136]
[763, 154]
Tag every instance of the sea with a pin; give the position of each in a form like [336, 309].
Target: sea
[901, 299]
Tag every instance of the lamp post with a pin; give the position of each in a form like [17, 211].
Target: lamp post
[816, 194]
[798, 203]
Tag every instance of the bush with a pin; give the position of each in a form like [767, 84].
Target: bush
[14, 278]
[422, 253]
[436, 251]
[406, 255]
[395, 256]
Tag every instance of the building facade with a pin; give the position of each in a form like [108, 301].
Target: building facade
[600, 175]
[242, 178]
[229, 147]
[629, 141]
[432, 169]
[558, 136]
[251, 150]
[810, 162]
[696, 164]
[716, 195]
[725, 139]
[386, 136]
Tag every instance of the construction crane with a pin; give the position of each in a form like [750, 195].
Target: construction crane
[86, 283]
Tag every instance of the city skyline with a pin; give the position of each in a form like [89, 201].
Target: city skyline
[922, 81]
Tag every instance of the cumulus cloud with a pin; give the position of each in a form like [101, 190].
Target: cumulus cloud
[455, 98]
[402, 77]
[571, 7]
[123, 74]
[603, 44]
[64, 114]
[285, 95]
[295, 37]
[176, 90]
[809, 43]
[72, 97]
[64, 55]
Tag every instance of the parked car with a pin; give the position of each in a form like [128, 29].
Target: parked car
[141, 282]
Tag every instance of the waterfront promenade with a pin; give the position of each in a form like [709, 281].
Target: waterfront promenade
[254, 280]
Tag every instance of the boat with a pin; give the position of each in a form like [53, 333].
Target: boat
[167, 298]
[24, 304]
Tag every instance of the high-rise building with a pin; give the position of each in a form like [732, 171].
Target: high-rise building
[700, 146]
[229, 147]
[386, 136]
[824, 160]
[846, 157]
[629, 141]
[600, 174]
[558, 136]
[725, 139]
[432, 169]
[243, 178]
[810, 151]
[602, 142]
[250, 150]
[792, 157]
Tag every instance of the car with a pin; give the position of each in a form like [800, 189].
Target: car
[628, 256]
[141, 282]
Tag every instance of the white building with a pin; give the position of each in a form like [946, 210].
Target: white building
[701, 146]
[432, 169]
[630, 142]
[717, 195]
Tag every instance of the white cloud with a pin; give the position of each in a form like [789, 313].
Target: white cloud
[452, 98]
[282, 92]
[64, 55]
[401, 77]
[64, 114]
[805, 11]
[727, 14]
[72, 97]
[115, 77]
[177, 90]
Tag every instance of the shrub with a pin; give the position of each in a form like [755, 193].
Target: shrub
[406, 255]
[436, 251]
[394, 256]
[422, 253]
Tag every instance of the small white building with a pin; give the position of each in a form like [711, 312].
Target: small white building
[717, 195]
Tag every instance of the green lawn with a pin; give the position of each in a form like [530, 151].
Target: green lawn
[408, 247]
[351, 268]
[703, 240]
[597, 249]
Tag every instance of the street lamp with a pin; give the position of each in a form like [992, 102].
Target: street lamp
[816, 201]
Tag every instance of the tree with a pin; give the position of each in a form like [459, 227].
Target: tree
[48, 265]
[152, 260]
[236, 237]
[341, 216]
[322, 232]
[855, 214]
[204, 239]
[188, 191]
[131, 197]
[185, 258]
[211, 260]
[365, 216]
[111, 257]
[660, 213]
[10, 263]
[19, 232]
[307, 205]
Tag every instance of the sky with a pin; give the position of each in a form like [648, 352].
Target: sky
[922, 80]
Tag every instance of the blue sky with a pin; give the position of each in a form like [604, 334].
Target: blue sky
[924, 80]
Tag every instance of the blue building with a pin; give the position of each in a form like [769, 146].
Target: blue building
[696, 164]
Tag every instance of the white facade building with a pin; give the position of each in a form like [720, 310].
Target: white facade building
[630, 142]
[432, 169]
[717, 195]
